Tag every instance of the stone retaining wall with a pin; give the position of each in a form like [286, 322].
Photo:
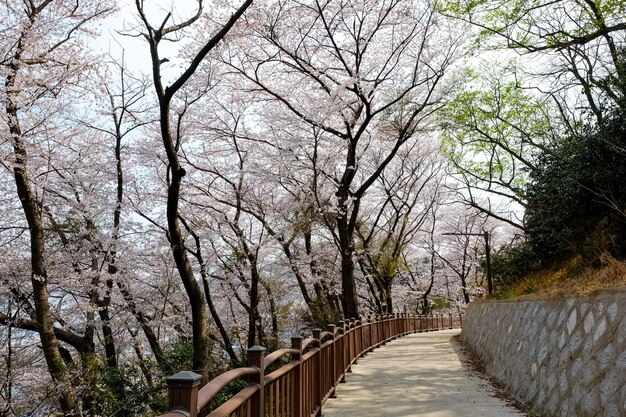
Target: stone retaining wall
[562, 357]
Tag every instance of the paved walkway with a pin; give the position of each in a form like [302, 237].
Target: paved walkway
[417, 375]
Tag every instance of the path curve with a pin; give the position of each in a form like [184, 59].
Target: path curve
[417, 375]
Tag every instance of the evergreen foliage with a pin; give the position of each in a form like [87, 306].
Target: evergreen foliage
[577, 198]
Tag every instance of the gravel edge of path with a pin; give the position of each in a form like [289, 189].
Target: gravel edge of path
[473, 365]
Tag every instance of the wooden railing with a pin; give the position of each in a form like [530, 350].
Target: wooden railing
[300, 387]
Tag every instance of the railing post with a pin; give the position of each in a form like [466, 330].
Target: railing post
[387, 327]
[350, 336]
[183, 392]
[317, 390]
[354, 346]
[256, 358]
[361, 339]
[296, 343]
[395, 325]
[383, 328]
[405, 327]
[398, 324]
[370, 338]
[405, 324]
[450, 319]
[347, 327]
[342, 351]
[333, 359]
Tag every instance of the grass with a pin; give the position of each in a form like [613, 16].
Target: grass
[570, 277]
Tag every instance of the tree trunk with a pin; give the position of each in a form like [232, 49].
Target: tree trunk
[349, 301]
[253, 314]
[199, 318]
[39, 274]
[388, 298]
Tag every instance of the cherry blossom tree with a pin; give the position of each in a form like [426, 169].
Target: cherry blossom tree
[154, 35]
[410, 189]
[43, 56]
[363, 76]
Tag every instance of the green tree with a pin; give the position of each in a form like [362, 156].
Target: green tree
[578, 44]
[493, 131]
[577, 199]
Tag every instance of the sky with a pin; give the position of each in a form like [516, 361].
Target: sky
[118, 33]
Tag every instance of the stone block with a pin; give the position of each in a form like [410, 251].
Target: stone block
[590, 404]
[612, 312]
[575, 342]
[608, 386]
[612, 410]
[589, 322]
[620, 362]
[600, 330]
[606, 357]
[572, 321]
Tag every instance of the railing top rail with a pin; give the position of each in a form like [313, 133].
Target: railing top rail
[326, 343]
[309, 354]
[280, 372]
[274, 356]
[235, 402]
[306, 342]
[325, 334]
[214, 386]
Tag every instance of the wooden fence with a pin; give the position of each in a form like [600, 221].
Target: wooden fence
[301, 386]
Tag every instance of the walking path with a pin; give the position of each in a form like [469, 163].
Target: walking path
[417, 375]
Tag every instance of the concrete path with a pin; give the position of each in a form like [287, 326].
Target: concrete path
[417, 375]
